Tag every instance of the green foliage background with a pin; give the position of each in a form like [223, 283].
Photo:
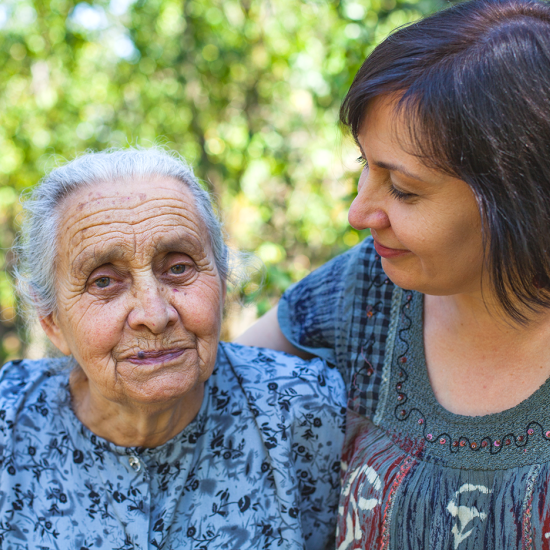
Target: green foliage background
[247, 90]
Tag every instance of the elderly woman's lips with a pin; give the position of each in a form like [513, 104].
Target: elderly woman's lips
[157, 356]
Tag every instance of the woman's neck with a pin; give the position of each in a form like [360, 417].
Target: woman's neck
[132, 424]
[480, 362]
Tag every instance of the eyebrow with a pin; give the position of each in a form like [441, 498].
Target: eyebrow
[182, 243]
[94, 260]
[393, 167]
[397, 168]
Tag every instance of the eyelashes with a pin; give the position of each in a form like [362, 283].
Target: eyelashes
[399, 195]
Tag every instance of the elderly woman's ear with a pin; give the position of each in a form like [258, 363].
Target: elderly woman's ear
[224, 292]
[50, 325]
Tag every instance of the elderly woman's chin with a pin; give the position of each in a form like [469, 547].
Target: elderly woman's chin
[155, 385]
[151, 385]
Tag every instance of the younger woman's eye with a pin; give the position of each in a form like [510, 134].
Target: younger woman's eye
[103, 282]
[178, 269]
[362, 160]
[400, 195]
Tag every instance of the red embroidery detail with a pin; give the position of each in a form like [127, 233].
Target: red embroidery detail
[408, 463]
[527, 527]
[544, 535]
[370, 369]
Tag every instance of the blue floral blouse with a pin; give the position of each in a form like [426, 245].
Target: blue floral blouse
[257, 468]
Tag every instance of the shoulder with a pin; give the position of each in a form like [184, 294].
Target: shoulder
[29, 387]
[319, 301]
[364, 275]
[365, 258]
[314, 313]
[267, 372]
[17, 378]
[298, 408]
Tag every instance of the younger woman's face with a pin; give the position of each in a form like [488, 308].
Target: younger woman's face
[425, 224]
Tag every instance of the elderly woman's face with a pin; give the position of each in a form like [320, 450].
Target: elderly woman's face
[139, 296]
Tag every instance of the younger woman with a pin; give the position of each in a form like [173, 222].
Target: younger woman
[440, 321]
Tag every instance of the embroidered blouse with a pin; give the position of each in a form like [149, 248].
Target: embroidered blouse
[416, 476]
[257, 468]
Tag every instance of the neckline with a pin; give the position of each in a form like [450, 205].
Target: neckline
[169, 451]
[514, 437]
[417, 331]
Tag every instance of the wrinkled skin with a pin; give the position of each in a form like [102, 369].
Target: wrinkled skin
[139, 306]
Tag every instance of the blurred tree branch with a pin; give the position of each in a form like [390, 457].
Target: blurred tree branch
[248, 91]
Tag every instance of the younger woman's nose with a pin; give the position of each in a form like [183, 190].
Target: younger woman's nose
[368, 210]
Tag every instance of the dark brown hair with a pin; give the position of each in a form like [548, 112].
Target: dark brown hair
[475, 85]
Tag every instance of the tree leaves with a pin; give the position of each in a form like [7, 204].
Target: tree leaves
[248, 91]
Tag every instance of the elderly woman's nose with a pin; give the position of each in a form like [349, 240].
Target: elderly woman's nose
[368, 210]
[152, 309]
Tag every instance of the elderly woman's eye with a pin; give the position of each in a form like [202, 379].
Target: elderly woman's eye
[178, 269]
[103, 282]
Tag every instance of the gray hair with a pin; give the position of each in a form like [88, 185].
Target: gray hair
[36, 247]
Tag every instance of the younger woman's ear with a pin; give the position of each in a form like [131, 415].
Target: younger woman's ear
[54, 333]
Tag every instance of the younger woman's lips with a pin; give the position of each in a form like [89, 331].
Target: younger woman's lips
[389, 253]
[155, 357]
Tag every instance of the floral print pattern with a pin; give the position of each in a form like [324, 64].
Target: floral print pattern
[257, 468]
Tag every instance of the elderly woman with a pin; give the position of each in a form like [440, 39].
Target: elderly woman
[440, 321]
[152, 434]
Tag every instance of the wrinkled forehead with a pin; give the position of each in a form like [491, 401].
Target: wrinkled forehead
[141, 217]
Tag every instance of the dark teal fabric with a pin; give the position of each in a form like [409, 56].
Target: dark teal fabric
[416, 476]
[513, 438]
